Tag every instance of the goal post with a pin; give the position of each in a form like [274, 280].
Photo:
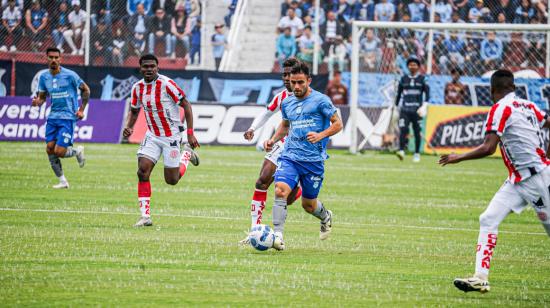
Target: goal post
[526, 47]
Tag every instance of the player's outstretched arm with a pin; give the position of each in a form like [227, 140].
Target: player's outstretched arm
[85, 94]
[282, 131]
[258, 123]
[488, 147]
[334, 128]
[189, 119]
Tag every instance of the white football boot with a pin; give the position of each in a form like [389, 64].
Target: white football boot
[194, 159]
[61, 185]
[80, 156]
[400, 154]
[472, 284]
[326, 226]
[416, 158]
[144, 222]
[278, 243]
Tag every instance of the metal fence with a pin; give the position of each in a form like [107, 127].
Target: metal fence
[102, 32]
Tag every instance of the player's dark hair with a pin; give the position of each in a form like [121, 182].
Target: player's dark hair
[502, 80]
[300, 68]
[148, 57]
[291, 62]
[53, 49]
[413, 60]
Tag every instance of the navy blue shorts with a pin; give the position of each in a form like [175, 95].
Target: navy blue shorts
[60, 130]
[309, 174]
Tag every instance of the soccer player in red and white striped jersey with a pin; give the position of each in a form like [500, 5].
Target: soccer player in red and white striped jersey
[515, 125]
[161, 98]
[270, 162]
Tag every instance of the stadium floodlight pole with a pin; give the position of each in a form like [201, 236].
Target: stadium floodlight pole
[315, 36]
[87, 29]
[429, 62]
[356, 33]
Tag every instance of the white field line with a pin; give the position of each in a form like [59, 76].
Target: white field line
[231, 218]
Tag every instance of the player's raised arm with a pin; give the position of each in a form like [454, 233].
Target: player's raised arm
[282, 131]
[132, 113]
[85, 94]
[335, 127]
[488, 147]
[191, 139]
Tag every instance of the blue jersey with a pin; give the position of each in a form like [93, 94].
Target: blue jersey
[63, 91]
[311, 114]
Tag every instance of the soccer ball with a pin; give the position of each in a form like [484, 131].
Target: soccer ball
[261, 237]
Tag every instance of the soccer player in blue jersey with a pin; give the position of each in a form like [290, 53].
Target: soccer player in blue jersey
[309, 118]
[62, 86]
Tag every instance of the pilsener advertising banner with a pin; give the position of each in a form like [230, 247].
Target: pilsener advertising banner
[19, 121]
[454, 129]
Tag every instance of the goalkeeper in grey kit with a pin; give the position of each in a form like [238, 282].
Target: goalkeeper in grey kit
[414, 91]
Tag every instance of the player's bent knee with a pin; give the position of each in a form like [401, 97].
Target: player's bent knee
[281, 191]
[60, 152]
[262, 184]
[143, 175]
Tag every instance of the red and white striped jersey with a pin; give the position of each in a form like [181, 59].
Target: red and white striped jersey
[160, 100]
[278, 99]
[518, 123]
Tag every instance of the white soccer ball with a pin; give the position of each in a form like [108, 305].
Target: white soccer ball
[261, 237]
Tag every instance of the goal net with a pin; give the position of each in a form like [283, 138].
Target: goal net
[457, 59]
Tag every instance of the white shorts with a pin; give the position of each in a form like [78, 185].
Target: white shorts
[534, 190]
[273, 155]
[152, 147]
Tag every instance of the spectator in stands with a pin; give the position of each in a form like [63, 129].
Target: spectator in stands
[286, 46]
[418, 11]
[476, 11]
[363, 10]
[524, 13]
[504, 36]
[370, 48]
[306, 44]
[18, 4]
[384, 11]
[337, 54]
[311, 12]
[138, 26]
[297, 9]
[36, 19]
[330, 31]
[444, 9]
[455, 91]
[307, 21]
[77, 29]
[219, 42]
[11, 28]
[336, 90]
[159, 28]
[133, 6]
[102, 39]
[180, 28]
[60, 24]
[192, 9]
[535, 45]
[101, 9]
[452, 54]
[343, 10]
[119, 47]
[169, 6]
[196, 41]
[293, 22]
[231, 11]
[491, 51]
[472, 60]
[461, 7]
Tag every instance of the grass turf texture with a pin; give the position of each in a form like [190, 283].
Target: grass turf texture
[402, 233]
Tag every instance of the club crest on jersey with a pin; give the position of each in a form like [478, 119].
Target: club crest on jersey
[174, 153]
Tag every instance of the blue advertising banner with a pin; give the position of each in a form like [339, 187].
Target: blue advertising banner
[115, 83]
[379, 89]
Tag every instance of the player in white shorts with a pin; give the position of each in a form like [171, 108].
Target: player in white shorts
[270, 162]
[161, 99]
[515, 125]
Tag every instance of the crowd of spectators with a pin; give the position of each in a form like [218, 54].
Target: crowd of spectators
[119, 29]
[387, 50]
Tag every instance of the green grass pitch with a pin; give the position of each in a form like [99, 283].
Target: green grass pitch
[402, 233]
